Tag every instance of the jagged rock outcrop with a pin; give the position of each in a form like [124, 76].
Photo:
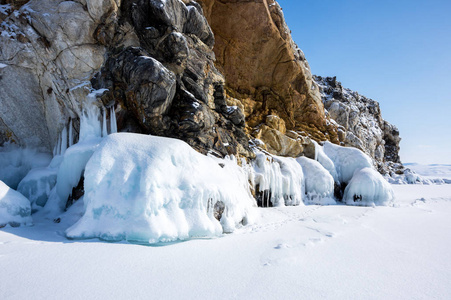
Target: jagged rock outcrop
[264, 68]
[154, 57]
[360, 123]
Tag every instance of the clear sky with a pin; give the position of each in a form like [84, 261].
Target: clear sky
[395, 52]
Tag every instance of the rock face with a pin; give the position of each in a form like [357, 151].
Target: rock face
[154, 57]
[48, 53]
[360, 123]
[214, 73]
[264, 68]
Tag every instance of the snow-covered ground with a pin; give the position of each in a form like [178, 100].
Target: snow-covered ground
[431, 171]
[300, 252]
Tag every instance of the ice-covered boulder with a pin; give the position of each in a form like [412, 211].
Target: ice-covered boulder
[148, 189]
[15, 209]
[368, 187]
[319, 183]
[347, 160]
[277, 180]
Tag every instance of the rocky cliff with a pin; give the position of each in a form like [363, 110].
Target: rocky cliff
[216, 74]
[360, 123]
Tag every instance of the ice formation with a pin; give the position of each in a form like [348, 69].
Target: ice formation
[368, 187]
[277, 180]
[74, 159]
[38, 184]
[319, 183]
[148, 189]
[347, 160]
[15, 209]
[16, 162]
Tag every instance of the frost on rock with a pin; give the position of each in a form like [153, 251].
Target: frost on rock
[347, 160]
[148, 189]
[319, 183]
[368, 187]
[277, 180]
[15, 209]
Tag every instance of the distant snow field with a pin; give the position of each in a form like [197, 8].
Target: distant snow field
[297, 252]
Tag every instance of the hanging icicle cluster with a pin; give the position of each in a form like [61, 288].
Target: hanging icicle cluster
[89, 119]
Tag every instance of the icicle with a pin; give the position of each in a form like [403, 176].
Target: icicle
[104, 129]
[71, 133]
[58, 146]
[63, 140]
[113, 122]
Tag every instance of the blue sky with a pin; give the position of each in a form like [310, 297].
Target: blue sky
[395, 52]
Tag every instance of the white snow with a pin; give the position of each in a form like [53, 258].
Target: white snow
[319, 184]
[432, 172]
[147, 189]
[368, 187]
[347, 160]
[296, 252]
[15, 209]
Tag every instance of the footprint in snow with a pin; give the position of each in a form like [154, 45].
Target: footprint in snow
[282, 246]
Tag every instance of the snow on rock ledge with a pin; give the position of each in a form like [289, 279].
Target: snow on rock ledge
[368, 187]
[15, 209]
[148, 189]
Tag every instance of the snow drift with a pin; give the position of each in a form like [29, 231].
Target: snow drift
[148, 189]
[15, 209]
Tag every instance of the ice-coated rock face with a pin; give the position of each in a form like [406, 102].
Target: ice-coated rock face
[360, 122]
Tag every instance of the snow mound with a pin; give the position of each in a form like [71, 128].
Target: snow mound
[277, 180]
[319, 183]
[148, 189]
[16, 162]
[15, 209]
[347, 160]
[367, 188]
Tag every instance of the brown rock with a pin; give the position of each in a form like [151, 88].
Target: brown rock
[260, 61]
[278, 143]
